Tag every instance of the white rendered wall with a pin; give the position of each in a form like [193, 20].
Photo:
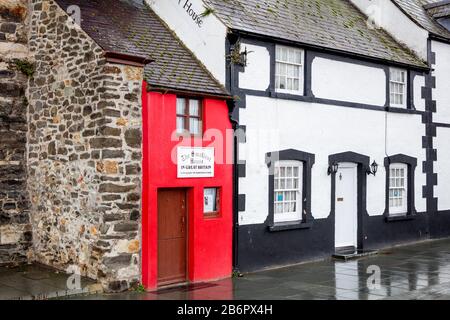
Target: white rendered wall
[442, 168]
[257, 71]
[442, 73]
[274, 124]
[206, 42]
[388, 16]
[419, 83]
[344, 81]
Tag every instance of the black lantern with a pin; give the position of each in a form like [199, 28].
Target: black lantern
[373, 169]
[333, 168]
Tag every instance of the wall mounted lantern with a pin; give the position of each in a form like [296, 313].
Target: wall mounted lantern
[333, 168]
[243, 57]
[373, 169]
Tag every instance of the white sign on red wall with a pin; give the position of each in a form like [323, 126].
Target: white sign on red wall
[195, 162]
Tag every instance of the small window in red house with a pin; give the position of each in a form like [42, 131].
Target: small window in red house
[211, 202]
[189, 116]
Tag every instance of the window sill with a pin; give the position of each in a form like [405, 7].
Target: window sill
[212, 216]
[189, 135]
[402, 110]
[289, 92]
[407, 217]
[286, 226]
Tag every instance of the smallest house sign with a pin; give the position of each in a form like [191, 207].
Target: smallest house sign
[191, 12]
[195, 162]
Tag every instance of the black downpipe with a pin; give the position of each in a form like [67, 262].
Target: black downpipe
[230, 84]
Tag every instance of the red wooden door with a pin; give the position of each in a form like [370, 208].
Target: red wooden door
[172, 237]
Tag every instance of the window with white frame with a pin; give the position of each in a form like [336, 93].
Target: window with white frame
[397, 86]
[289, 70]
[189, 116]
[288, 184]
[398, 189]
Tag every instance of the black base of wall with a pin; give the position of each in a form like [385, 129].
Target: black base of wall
[378, 233]
[440, 225]
[260, 249]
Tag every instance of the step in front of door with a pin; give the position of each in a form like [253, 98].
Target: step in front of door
[350, 253]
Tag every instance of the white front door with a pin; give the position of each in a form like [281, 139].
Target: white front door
[346, 215]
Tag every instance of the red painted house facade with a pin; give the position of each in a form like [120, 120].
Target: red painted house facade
[187, 166]
[186, 222]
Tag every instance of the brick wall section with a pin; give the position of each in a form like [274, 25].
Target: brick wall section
[84, 153]
[15, 230]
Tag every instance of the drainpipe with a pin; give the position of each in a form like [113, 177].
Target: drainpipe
[235, 125]
[230, 81]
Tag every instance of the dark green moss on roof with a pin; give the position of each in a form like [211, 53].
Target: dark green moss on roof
[333, 24]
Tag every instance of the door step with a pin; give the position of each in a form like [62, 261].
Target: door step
[351, 253]
[184, 287]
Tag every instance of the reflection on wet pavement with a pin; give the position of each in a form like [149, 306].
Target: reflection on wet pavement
[34, 282]
[419, 271]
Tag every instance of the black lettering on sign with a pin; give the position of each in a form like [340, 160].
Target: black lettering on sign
[196, 17]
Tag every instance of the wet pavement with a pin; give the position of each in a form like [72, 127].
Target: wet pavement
[420, 271]
[38, 282]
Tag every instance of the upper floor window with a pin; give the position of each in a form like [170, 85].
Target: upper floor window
[189, 116]
[289, 70]
[397, 86]
[288, 184]
[398, 188]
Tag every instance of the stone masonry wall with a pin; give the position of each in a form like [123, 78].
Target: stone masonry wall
[84, 153]
[15, 229]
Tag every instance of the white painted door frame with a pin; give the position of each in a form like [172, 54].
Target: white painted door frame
[346, 206]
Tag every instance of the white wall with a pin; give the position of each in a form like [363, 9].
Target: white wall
[206, 42]
[442, 168]
[442, 73]
[419, 103]
[274, 124]
[344, 81]
[257, 71]
[387, 15]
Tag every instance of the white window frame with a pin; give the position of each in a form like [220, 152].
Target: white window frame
[300, 65]
[398, 210]
[187, 116]
[405, 88]
[298, 214]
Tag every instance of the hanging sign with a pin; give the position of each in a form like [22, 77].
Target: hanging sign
[195, 162]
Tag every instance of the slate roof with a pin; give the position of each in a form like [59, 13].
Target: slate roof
[416, 11]
[130, 27]
[439, 9]
[331, 24]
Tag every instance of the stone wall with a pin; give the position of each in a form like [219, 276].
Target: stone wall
[84, 153]
[15, 230]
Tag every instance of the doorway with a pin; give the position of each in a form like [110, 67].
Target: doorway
[346, 214]
[172, 237]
